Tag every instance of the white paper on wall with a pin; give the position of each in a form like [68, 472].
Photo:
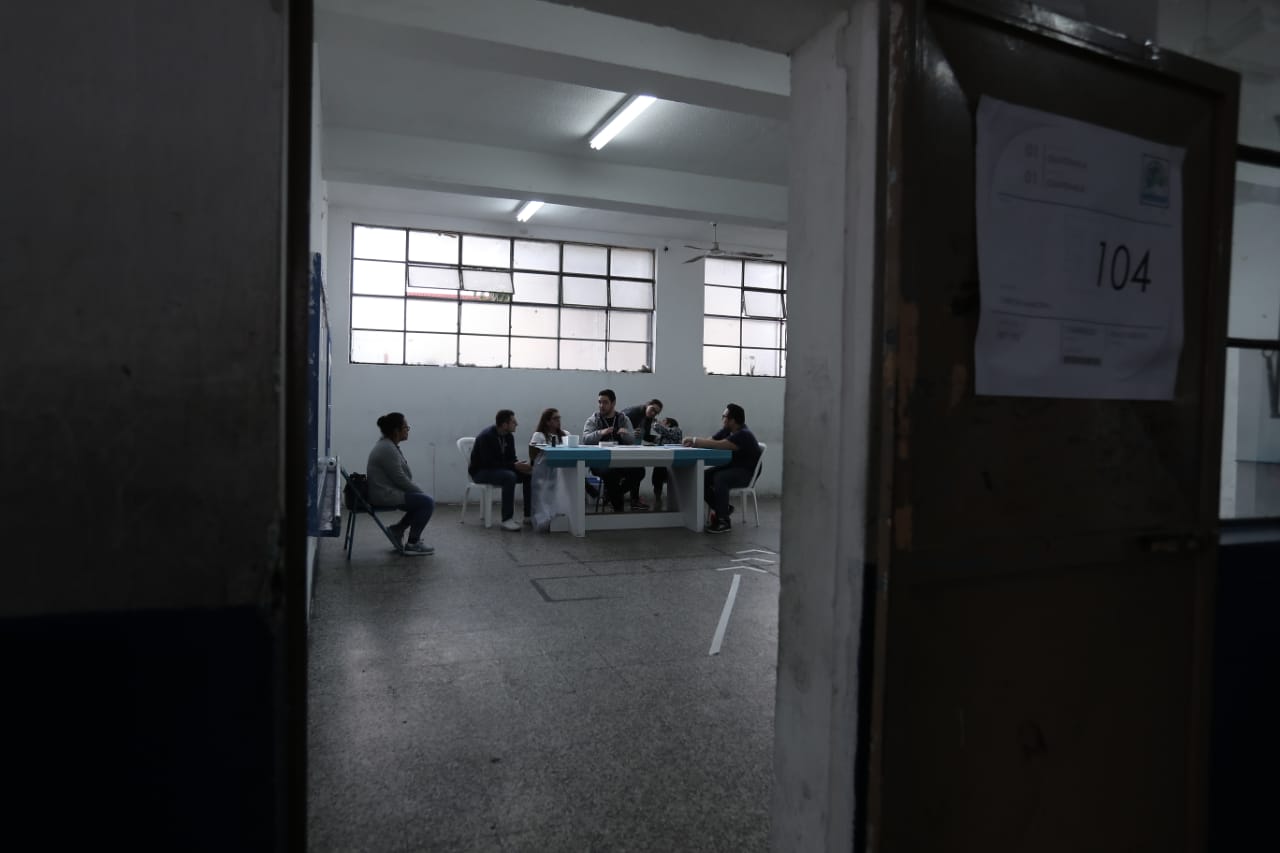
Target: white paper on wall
[1079, 257]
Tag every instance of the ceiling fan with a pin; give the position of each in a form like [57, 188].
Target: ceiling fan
[716, 252]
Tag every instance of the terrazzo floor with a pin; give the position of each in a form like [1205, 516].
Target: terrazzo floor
[538, 692]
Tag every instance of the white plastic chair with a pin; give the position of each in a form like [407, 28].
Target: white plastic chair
[750, 490]
[486, 491]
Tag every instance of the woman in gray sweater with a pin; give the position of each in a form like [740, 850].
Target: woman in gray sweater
[391, 484]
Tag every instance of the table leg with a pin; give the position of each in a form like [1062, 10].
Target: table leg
[686, 483]
[578, 513]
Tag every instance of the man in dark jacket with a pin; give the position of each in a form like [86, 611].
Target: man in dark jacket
[642, 418]
[494, 463]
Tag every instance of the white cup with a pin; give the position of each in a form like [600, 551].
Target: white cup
[570, 441]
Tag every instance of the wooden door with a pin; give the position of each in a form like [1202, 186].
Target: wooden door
[1044, 566]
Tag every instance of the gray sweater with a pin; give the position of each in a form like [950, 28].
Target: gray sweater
[389, 474]
[595, 423]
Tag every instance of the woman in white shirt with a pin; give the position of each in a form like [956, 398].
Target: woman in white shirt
[548, 432]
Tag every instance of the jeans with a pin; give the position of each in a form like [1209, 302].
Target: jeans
[507, 479]
[417, 507]
[718, 481]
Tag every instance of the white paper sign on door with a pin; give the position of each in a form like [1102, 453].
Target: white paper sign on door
[1079, 257]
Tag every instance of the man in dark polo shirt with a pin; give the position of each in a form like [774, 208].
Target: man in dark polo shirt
[736, 436]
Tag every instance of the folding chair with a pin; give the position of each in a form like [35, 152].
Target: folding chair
[362, 505]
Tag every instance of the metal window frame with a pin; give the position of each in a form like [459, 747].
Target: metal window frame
[1259, 157]
[608, 308]
[742, 315]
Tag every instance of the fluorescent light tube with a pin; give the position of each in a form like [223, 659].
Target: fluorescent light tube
[621, 119]
[527, 211]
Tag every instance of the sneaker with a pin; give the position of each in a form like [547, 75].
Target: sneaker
[395, 532]
[638, 505]
[419, 548]
[721, 526]
[510, 524]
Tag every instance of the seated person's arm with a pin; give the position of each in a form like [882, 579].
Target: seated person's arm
[626, 432]
[591, 431]
[719, 441]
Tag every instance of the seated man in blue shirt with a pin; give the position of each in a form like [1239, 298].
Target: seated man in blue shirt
[493, 462]
[735, 436]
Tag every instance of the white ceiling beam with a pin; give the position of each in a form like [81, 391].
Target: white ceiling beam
[392, 160]
[625, 70]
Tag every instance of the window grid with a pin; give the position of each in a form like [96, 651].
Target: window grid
[639, 343]
[741, 317]
[1256, 355]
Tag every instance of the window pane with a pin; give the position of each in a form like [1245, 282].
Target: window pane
[761, 333]
[632, 263]
[486, 251]
[487, 318]
[377, 277]
[374, 312]
[760, 362]
[490, 282]
[629, 357]
[757, 274]
[434, 277]
[1255, 286]
[537, 255]
[478, 351]
[629, 326]
[722, 300]
[582, 355]
[431, 315]
[579, 323]
[723, 360]
[382, 244]
[592, 260]
[763, 304]
[532, 352]
[717, 331]
[377, 347]
[431, 349]
[538, 322]
[720, 271]
[531, 287]
[585, 291]
[432, 247]
[631, 294]
[1251, 435]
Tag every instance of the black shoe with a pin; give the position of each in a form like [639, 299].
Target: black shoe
[721, 526]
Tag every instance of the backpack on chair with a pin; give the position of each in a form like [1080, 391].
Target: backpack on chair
[355, 494]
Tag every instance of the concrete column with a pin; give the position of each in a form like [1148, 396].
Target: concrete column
[832, 251]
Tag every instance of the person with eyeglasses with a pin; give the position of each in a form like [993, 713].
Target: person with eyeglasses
[736, 436]
[391, 484]
[549, 433]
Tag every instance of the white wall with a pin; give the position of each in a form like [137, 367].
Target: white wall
[444, 403]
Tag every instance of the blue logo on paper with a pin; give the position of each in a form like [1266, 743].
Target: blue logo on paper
[1155, 181]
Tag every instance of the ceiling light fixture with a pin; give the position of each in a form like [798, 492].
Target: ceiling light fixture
[527, 210]
[620, 119]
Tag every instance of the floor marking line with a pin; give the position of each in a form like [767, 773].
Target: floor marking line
[751, 560]
[724, 616]
[739, 568]
[758, 551]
